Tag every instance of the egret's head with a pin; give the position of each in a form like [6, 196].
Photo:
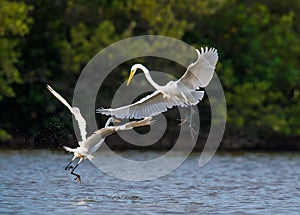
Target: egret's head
[132, 72]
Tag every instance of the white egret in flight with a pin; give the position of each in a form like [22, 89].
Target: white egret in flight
[183, 92]
[89, 145]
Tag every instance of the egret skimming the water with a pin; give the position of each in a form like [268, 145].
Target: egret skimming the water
[183, 92]
[89, 145]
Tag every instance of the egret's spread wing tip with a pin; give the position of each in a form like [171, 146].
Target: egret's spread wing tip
[104, 111]
[101, 110]
[49, 87]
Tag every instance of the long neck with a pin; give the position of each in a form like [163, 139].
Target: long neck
[148, 77]
[108, 122]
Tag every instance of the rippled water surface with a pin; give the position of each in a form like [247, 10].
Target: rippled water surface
[35, 182]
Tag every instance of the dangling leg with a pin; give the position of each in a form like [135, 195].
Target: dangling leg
[193, 132]
[189, 119]
[68, 166]
[73, 173]
[182, 121]
[191, 123]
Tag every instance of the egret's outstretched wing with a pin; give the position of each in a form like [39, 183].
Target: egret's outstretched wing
[97, 146]
[150, 105]
[104, 132]
[94, 141]
[75, 111]
[200, 73]
[81, 123]
[133, 124]
[60, 98]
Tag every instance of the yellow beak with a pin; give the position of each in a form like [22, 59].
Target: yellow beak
[130, 77]
[116, 120]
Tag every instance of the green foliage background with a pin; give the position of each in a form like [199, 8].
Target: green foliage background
[51, 41]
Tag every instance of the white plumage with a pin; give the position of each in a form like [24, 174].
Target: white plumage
[91, 144]
[183, 92]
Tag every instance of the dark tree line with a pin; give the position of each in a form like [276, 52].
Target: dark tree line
[51, 41]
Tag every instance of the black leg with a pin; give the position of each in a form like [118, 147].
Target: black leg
[67, 167]
[191, 116]
[191, 123]
[73, 173]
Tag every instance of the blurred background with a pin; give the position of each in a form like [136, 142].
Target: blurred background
[51, 42]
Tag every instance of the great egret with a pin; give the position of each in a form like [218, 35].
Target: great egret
[87, 146]
[182, 92]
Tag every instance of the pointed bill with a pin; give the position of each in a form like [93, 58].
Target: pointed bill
[116, 120]
[130, 77]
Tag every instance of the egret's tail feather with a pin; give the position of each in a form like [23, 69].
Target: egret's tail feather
[198, 95]
[68, 149]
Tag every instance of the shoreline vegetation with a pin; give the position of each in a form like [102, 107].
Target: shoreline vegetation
[50, 42]
[115, 142]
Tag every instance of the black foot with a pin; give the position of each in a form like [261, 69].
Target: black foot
[78, 178]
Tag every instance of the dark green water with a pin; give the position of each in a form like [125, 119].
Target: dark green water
[35, 182]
